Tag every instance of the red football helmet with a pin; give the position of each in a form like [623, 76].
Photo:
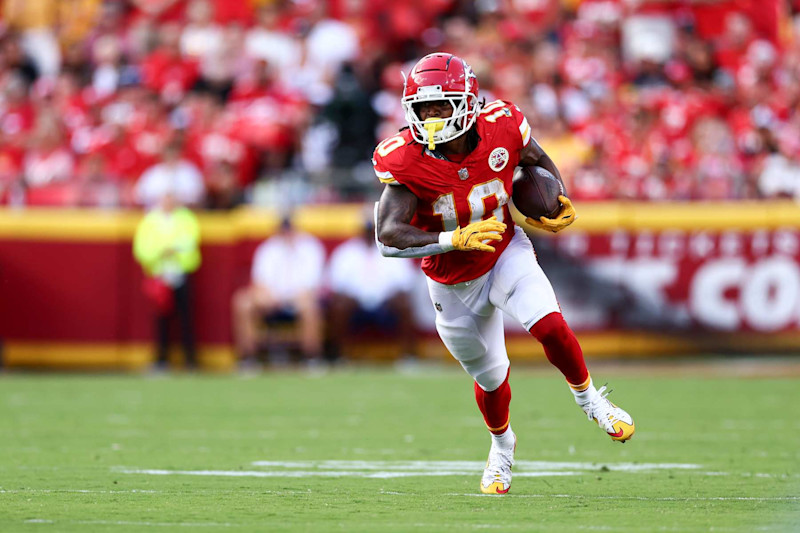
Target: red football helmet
[441, 76]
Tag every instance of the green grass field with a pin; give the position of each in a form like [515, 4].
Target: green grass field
[365, 450]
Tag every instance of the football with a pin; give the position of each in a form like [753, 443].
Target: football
[535, 193]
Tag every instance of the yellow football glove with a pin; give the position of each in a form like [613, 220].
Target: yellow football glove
[564, 218]
[470, 237]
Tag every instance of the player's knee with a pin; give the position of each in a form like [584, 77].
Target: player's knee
[551, 329]
[490, 379]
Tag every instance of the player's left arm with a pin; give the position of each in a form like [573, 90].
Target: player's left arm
[533, 155]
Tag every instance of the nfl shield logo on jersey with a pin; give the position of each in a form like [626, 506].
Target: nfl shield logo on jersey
[463, 174]
[498, 159]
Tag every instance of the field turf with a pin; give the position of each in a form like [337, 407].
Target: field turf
[379, 451]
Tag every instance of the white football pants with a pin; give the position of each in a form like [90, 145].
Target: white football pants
[468, 314]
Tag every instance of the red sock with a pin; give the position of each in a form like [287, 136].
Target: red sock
[494, 406]
[561, 348]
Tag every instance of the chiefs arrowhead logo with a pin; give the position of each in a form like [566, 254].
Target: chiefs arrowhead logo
[498, 159]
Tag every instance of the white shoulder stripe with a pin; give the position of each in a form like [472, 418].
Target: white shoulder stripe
[525, 131]
[385, 177]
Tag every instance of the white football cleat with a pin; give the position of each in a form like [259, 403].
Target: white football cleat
[613, 420]
[497, 475]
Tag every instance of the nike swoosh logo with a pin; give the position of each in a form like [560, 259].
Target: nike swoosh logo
[617, 434]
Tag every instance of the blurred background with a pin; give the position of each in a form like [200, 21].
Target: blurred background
[674, 123]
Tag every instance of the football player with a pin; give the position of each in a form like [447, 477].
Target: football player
[448, 180]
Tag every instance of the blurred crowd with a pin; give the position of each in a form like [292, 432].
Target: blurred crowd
[113, 103]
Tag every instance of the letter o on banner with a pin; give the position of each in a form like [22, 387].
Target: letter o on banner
[707, 299]
[770, 294]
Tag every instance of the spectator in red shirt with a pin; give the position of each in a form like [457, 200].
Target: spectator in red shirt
[49, 165]
[732, 45]
[18, 115]
[213, 139]
[165, 71]
[148, 127]
[266, 115]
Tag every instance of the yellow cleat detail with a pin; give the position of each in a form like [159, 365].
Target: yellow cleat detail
[495, 488]
[612, 419]
[497, 474]
[622, 431]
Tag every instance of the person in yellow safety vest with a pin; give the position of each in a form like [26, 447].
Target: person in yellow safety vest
[167, 246]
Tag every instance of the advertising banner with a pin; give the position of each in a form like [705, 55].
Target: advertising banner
[676, 280]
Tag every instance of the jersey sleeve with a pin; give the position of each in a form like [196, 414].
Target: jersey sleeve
[500, 111]
[522, 125]
[387, 158]
[384, 175]
[524, 129]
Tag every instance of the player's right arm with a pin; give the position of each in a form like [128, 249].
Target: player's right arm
[396, 237]
[394, 234]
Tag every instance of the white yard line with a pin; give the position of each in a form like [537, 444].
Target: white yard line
[405, 469]
[634, 498]
[129, 523]
[417, 525]
[323, 473]
[401, 469]
[470, 465]
[151, 524]
[81, 491]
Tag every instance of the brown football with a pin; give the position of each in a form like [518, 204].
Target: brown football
[535, 193]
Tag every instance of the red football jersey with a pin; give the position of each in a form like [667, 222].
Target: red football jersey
[455, 194]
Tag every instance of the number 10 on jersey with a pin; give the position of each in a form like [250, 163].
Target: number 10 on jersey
[445, 205]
